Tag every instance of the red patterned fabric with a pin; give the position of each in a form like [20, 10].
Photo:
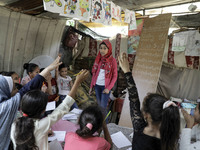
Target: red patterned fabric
[92, 47]
[196, 62]
[170, 52]
[117, 46]
[131, 58]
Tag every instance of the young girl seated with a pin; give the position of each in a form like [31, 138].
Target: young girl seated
[65, 83]
[32, 70]
[157, 127]
[29, 132]
[90, 121]
[190, 136]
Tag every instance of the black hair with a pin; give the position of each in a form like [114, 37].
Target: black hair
[99, 4]
[33, 103]
[42, 69]
[62, 66]
[30, 67]
[103, 43]
[93, 115]
[168, 117]
[5, 73]
[18, 86]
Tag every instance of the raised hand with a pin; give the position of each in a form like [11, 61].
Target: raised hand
[51, 67]
[123, 63]
[55, 64]
[82, 75]
[188, 118]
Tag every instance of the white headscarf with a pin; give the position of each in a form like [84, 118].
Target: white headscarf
[10, 82]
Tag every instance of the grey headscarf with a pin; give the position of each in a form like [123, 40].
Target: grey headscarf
[8, 109]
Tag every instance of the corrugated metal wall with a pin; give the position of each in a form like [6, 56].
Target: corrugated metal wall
[23, 37]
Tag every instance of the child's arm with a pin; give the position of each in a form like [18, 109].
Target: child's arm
[71, 84]
[79, 78]
[106, 133]
[56, 73]
[36, 82]
[49, 86]
[136, 115]
[63, 108]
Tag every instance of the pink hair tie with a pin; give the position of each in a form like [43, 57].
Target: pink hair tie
[25, 115]
[168, 103]
[89, 126]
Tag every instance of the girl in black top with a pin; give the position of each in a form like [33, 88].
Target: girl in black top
[157, 126]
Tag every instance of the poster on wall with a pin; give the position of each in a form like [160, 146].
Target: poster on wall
[107, 18]
[54, 6]
[132, 25]
[77, 9]
[179, 41]
[134, 37]
[193, 44]
[127, 16]
[97, 11]
[116, 12]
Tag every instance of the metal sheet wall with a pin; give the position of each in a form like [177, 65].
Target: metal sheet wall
[23, 37]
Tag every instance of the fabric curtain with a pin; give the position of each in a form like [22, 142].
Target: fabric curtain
[179, 82]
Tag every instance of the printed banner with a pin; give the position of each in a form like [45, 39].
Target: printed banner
[179, 41]
[116, 12]
[54, 6]
[77, 9]
[107, 18]
[193, 44]
[97, 11]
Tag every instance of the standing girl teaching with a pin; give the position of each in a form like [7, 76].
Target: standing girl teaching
[104, 73]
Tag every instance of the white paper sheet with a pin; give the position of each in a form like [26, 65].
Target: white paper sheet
[51, 106]
[120, 140]
[76, 111]
[69, 117]
[55, 145]
[59, 135]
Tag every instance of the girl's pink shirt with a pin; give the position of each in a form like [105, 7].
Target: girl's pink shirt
[74, 142]
[109, 81]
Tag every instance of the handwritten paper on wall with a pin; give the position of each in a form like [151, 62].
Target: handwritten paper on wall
[193, 44]
[179, 41]
[147, 65]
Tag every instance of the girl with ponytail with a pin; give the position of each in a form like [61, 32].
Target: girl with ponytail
[157, 126]
[90, 121]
